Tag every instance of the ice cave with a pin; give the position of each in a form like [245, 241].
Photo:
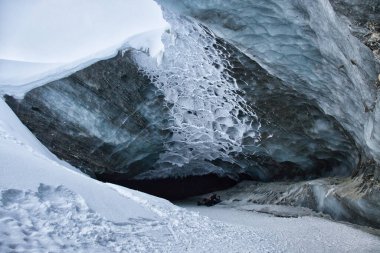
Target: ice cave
[117, 116]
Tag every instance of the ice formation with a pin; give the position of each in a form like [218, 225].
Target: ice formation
[308, 46]
[198, 113]
[208, 118]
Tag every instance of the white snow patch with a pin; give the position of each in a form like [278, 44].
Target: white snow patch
[304, 234]
[149, 42]
[44, 40]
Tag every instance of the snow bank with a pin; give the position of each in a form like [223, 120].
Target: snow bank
[26, 163]
[44, 40]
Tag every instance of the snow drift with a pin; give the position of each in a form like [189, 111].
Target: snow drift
[41, 41]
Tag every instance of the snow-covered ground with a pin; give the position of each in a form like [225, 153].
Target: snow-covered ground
[46, 206]
[302, 234]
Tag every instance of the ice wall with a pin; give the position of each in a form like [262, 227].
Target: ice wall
[307, 45]
[265, 89]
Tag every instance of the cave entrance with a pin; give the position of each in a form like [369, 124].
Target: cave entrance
[176, 188]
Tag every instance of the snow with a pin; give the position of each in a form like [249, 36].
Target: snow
[149, 42]
[44, 40]
[304, 234]
[11, 69]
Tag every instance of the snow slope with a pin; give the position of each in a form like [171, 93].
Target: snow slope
[42, 40]
[46, 206]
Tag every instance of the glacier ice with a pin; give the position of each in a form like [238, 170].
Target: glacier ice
[309, 47]
[109, 117]
[208, 119]
[208, 107]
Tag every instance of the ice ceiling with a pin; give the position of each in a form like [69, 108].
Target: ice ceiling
[266, 89]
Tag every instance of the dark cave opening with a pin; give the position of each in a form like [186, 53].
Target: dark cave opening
[177, 188]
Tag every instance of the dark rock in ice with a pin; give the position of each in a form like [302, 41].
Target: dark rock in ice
[363, 18]
[211, 200]
[354, 200]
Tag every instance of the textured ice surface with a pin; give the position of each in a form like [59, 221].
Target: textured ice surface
[106, 117]
[300, 76]
[305, 44]
[196, 114]
[208, 119]
[300, 45]
[297, 137]
[363, 18]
